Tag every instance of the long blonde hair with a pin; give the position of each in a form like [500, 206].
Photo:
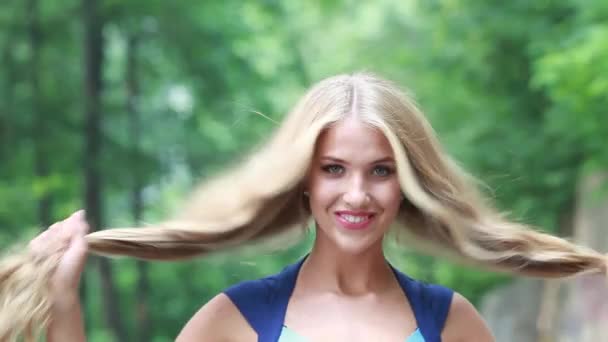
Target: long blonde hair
[261, 198]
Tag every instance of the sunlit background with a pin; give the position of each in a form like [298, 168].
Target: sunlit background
[120, 107]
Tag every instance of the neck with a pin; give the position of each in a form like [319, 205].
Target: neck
[329, 269]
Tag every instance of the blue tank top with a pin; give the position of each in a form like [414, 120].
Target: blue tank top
[263, 303]
[287, 335]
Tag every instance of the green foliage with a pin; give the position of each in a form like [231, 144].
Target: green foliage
[516, 91]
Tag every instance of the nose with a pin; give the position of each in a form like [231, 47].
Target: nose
[356, 193]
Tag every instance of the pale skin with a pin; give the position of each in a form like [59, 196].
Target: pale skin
[345, 290]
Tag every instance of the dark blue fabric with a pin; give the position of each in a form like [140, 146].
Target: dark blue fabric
[430, 303]
[263, 303]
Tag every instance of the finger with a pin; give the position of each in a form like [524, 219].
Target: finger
[37, 243]
[49, 234]
[69, 226]
[42, 236]
[59, 233]
[84, 226]
[74, 261]
[55, 226]
[76, 216]
[55, 233]
[81, 248]
[65, 220]
[80, 227]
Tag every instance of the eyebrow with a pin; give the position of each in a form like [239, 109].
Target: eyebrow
[378, 161]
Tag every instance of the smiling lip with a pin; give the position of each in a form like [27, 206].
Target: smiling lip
[363, 219]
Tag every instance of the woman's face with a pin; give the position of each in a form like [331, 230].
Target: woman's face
[353, 187]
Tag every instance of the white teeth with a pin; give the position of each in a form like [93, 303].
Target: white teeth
[354, 219]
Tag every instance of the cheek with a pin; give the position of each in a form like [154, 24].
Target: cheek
[321, 189]
[389, 196]
[322, 194]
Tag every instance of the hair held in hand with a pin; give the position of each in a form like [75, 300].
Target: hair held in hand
[262, 198]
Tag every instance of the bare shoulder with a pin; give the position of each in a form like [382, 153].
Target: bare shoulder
[219, 320]
[464, 323]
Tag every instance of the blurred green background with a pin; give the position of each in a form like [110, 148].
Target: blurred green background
[120, 107]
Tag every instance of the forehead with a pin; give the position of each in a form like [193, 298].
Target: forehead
[353, 140]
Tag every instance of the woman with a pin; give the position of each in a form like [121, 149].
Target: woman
[355, 155]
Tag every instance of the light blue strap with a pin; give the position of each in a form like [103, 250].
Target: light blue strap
[415, 337]
[288, 335]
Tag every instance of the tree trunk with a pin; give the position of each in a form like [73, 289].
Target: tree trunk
[135, 129]
[41, 162]
[550, 306]
[93, 50]
[7, 101]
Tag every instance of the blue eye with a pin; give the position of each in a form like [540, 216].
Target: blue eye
[333, 169]
[382, 171]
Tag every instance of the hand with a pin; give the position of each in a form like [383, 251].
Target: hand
[66, 238]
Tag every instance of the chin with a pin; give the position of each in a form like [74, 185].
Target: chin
[354, 244]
